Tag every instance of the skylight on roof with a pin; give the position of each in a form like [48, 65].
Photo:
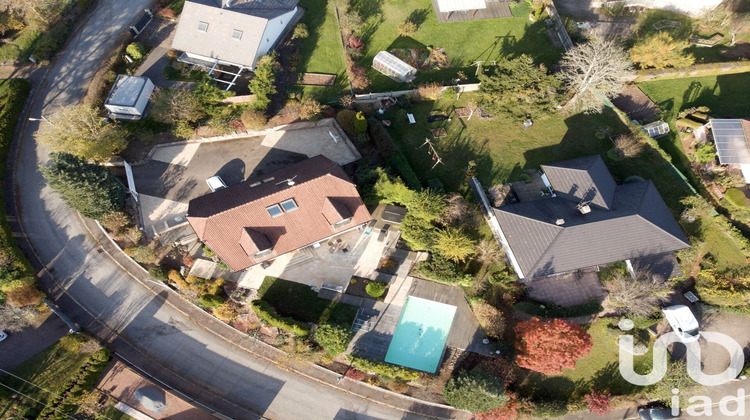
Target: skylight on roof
[203, 26]
[236, 34]
[289, 205]
[274, 211]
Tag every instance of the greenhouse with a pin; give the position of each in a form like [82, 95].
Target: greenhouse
[393, 67]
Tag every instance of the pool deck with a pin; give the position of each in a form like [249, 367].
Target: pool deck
[466, 334]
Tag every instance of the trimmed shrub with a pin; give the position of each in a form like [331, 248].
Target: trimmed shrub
[475, 392]
[158, 273]
[211, 301]
[333, 338]
[375, 289]
[25, 295]
[225, 312]
[141, 254]
[114, 221]
[268, 314]
[360, 123]
[300, 31]
[402, 166]
[387, 370]
[705, 152]
[346, 118]
[407, 28]
[439, 268]
[253, 119]
[136, 51]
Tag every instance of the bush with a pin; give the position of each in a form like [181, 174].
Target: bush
[114, 221]
[544, 310]
[355, 374]
[737, 198]
[375, 289]
[268, 314]
[158, 272]
[211, 301]
[407, 28]
[226, 312]
[183, 130]
[475, 392]
[333, 338]
[429, 91]
[255, 120]
[705, 152]
[141, 254]
[309, 109]
[398, 386]
[490, 319]
[550, 409]
[9, 53]
[439, 268]
[136, 51]
[300, 31]
[360, 123]
[450, 93]
[346, 118]
[384, 369]
[25, 295]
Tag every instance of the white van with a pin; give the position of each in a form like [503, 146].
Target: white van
[683, 322]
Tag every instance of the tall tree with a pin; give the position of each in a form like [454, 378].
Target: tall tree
[520, 88]
[262, 85]
[549, 346]
[660, 51]
[90, 189]
[79, 130]
[594, 71]
[475, 391]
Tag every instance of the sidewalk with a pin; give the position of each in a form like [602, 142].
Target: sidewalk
[267, 352]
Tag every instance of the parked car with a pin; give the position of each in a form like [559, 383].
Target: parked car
[657, 411]
[216, 183]
[683, 322]
[3, 335]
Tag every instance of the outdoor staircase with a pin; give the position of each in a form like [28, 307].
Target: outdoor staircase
[365, 320]
[302, 257]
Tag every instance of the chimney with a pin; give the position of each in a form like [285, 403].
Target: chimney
[226, 4]
[560, 222]
[584, 209]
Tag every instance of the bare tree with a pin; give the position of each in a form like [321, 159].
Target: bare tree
[489, 252]
[640, 296]
[735, 25]
[21, 7]
[628, 145]
[173, 106]
[457, 212]
[593, 72]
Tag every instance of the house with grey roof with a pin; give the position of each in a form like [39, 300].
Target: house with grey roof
[732, 140]
[586, 220]
[231, 32]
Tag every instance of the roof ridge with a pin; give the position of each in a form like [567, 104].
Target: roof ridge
[531, 218]
[534, 268]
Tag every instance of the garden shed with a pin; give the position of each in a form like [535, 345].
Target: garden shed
[393, 67]
[128, 98]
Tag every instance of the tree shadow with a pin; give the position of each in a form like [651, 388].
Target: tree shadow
[367, 8]
[418, 16]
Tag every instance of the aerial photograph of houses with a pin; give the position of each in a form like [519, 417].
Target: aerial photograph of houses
[375, 209]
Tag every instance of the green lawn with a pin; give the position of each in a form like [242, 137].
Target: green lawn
[298, 301]
[464, 42]
[599, 371]
[322, 51]
[50, 369]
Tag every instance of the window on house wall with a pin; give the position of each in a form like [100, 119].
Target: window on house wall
[289, 205]
[274, 211]
[203, 26]
[236, 34]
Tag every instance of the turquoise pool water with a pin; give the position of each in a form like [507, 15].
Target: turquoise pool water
[419, 339]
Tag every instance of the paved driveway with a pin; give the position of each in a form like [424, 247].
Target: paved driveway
[20, 346]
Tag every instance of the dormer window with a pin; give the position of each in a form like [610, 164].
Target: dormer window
[289, 205]
[274, 211]
[342, 223]
[203, 26]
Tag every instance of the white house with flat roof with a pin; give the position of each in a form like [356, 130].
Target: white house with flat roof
[128, 98]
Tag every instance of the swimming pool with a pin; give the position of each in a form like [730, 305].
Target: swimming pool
[419, 339]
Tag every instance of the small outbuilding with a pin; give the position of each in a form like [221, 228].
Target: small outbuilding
[656, 129]
[393, 67]
[129, 97]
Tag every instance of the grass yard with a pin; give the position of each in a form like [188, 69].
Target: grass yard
[49, 370]
[298, 301]
[599, 371]
[464, 42]
[321, 50]
[502, 148]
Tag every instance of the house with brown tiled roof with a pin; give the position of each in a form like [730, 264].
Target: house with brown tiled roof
[265, 217]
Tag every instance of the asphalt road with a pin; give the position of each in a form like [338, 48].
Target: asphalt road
[93, 290]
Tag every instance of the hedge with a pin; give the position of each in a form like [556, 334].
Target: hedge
[393, 154]
[402, 166]
[266, 312]
[387, 370]
[553, 311]
[696, 70]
